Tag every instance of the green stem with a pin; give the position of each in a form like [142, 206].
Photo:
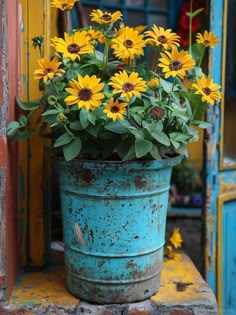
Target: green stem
[106, 52]
[54, 88]
[67, 129]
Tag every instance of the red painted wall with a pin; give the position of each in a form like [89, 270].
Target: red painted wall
[8, 151]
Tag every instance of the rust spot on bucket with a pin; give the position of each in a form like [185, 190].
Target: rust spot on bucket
[139, 182]
[87, 176]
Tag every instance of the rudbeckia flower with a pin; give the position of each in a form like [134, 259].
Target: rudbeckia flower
[63, 5]
[115, 109]
[48, 69]
[85, 92]
[161, 37]
[208, 89]
[106, 18]
[208, 39]
[128, 85]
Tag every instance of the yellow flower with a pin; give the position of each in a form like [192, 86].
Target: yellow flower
[73, 45]
[128, 44]
[105, 17]
[161, 37]
[85, 92]
[153, 83]
[176, 63]
[63, 5]
[48, 69]
[176, 238]
[208, 39]
[128, 85]
[140, 28]
[172, 254]
[95, 35]
[208, 89]
[115, 109]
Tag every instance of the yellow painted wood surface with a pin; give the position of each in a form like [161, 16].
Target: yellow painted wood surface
[34, 163]
[181, 284]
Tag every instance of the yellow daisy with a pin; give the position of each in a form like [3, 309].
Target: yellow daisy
[105, 18]
[48, 69]
[128, 44]
[63, 5]
[140, 28]
[95, 35]
[153, 83]
[208, 89]
[208, 39]
[72, 46]
[176, 238]
[171, 254]
[128, 85]
[85, 92]
[115, 109]
[176, 63]
[161, 37]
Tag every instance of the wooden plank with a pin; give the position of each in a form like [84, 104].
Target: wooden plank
[34, 162]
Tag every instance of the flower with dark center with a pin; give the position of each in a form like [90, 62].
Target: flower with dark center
[86, 92]
[176, 63]
[208, 39]
[105, 18]
[73, 46]
[48, 69]
[207, 89]
[128, 85]
[128, 44]
[158, 36]
[115, 109]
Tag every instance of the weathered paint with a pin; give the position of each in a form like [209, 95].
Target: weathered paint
[182, 291]
[35, 165]
[9, 75]
[114, 219]
[43, 288]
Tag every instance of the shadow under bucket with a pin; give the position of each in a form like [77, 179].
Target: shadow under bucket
[114, 219]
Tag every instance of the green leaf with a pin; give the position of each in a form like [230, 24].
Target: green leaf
[161, 137]
[194, 13]
[130, 154]
[50, 112]
[22, 134]
[84, 118]
[201, 124]
[175, 143]
[72, 149]
[167, 86]
[183, 150]
[115, 126]
[178, 136]
[12, 127]
[142, 147]
[23, 120]
[64, 139]
[93, 130]
[136, 132]
[92, 118]
[76, 125]
[31, 105]
[155, 153]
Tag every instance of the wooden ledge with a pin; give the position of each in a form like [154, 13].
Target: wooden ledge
[183, 292]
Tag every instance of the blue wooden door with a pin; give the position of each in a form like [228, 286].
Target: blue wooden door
[220, 148]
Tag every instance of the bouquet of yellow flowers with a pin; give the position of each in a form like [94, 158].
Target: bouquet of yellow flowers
[115, 92]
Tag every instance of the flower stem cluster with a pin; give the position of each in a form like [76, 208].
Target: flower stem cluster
[101, 99]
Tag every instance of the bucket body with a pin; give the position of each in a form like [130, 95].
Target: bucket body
[114, 219]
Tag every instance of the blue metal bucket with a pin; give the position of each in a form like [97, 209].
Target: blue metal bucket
[114, 218]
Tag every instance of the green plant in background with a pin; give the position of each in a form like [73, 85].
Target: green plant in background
[107, 103]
